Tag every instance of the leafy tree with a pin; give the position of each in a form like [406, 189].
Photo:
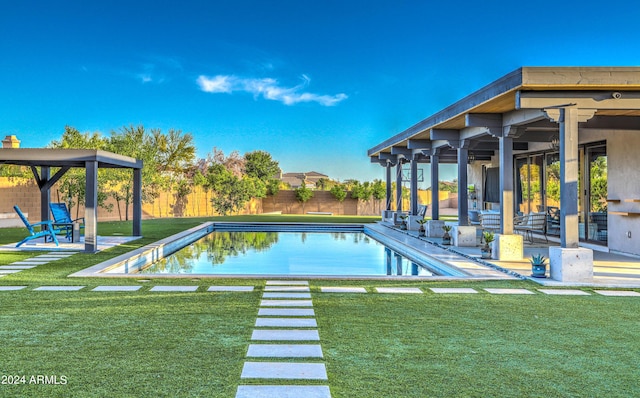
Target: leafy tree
[231, 193]
[137, 143]
[361, 191]
[260, 165]
[378, 190]
[303, 194]
[340, 193]
[598, 190]
[72, 185]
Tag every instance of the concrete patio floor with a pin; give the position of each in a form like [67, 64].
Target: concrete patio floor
[610, 269]
[104, 242]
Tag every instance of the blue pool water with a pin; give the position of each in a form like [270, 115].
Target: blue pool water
[287, 253]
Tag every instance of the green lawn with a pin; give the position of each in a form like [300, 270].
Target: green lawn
[375, 345]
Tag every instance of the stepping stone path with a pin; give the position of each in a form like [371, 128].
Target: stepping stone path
[32, 262]
[273, 362]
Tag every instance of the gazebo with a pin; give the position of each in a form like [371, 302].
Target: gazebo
[89, 159]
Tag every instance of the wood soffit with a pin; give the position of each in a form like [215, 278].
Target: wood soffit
[500, 97]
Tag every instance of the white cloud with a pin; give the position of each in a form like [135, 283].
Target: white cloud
[268, 88]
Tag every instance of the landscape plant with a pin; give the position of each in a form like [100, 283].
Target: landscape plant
[303, 194]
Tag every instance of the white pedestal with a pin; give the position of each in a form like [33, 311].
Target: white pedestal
[433, 229]
[412, 223]
[387, 216]
[463, 235]
[571, 264]
[508, 247]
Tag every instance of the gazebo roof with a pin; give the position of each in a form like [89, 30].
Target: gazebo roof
[48, 157]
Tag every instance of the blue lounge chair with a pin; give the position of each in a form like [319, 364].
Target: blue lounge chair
[62, 218]
[46, 229]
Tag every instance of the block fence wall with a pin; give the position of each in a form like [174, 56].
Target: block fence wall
[25, 193]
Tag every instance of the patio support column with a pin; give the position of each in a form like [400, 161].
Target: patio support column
[506, 183]
[399, 186]
[388, 187]
[435, 185]
[137, 202]
[45, 192]
[91, 208]
[569, 262]
[569, 234]
[414, 185]
[463, 203]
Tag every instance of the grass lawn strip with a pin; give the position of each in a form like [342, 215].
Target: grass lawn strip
[410, 345]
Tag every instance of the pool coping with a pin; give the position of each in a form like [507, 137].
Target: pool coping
[168, 245]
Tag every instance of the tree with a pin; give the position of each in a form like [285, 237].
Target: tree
[340, 193]
[303, 194]
[72, 184]
[378, 190]
[260, 165]
[134, 142]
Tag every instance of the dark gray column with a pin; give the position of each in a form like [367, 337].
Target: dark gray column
[435, 188]
[569, 237]
[137, 202]
[45, 193]
[91, 208]
[463, 203]
[389, 183]
[399, 186]
[414, 186]
[506, 184]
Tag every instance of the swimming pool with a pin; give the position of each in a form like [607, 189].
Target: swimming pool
[276, 249]
[287, 253]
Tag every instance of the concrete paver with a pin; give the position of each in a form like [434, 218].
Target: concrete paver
[286, 295]
[564, 292]
[285, 351]
[284, 370]
[286, 312]
[283, 335]
[287, 322]
[339, 289]
[230, 289]
[283, 392]
[401, 290]
[286, 303]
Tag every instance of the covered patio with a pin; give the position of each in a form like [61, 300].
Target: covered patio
[528, 126]
[41, 161]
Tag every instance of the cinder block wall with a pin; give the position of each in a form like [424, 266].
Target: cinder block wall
[322, 201]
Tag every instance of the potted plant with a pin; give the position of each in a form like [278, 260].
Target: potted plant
[485, 249]
[538, 266]
[403, 223]
[446, 238]
[421, 231]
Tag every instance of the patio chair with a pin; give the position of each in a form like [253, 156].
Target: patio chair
[46, 229]
[600, 219]
[530, 224]
[553, 220]
[62, 219]
[490, 221]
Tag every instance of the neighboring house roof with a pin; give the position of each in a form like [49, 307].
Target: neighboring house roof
[295, 179]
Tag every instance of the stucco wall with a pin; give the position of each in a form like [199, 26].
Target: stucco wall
[623, 183]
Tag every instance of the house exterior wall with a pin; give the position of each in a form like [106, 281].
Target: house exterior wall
[623, 163]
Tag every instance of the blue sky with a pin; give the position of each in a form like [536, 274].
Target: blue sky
[315, 83]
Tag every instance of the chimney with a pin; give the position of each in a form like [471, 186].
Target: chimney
[10, 141]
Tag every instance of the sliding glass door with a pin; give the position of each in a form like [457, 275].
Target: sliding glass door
[595, 179]
[538, 190]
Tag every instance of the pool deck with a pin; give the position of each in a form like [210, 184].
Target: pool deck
[104, 242]
[610, 269]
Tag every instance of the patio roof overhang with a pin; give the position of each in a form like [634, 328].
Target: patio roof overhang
[89, 159]
[517, 103]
